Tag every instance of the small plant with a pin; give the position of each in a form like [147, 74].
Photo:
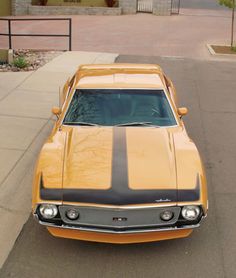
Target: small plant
[233, 48]
[20, 62]
[2, 63]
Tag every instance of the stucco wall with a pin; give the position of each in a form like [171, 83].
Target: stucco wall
[5, 7]
[92, 3]
[20, 7]
[72, 10]
[128, 6]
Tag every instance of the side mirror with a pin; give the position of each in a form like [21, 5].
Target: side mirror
[182, 111]
[56, 111]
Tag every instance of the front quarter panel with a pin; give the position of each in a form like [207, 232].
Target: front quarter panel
[49, 166]
[189, 166]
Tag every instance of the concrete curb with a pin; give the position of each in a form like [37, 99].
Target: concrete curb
[212, 52]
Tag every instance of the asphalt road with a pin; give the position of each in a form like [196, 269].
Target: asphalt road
[208, 90]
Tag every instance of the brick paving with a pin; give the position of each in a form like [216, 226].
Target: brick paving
[143, 34]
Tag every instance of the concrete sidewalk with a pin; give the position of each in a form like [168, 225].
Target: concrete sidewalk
[25, 122]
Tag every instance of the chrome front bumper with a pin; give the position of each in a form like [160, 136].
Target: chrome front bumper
[109, 231]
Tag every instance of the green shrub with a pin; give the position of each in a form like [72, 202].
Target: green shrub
[233, 48]
[20, 62]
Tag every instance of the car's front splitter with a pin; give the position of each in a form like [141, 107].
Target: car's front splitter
[119, 238]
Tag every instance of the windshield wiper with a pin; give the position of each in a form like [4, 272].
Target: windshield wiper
[138, 124]
[80, 123]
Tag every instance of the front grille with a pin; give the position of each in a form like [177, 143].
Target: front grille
[119, 219]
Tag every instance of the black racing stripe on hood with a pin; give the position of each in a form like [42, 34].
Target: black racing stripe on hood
[119, 176]
[120, 193]
[49, 194]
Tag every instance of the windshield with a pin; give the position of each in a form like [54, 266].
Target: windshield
[110, 107]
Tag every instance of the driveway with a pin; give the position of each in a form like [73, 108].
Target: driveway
[208, 90]
[184, 35]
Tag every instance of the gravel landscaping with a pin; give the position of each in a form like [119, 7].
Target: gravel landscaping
[29, 60]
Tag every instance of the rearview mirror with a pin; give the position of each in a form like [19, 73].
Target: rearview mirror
[56, 111]
[182, 111]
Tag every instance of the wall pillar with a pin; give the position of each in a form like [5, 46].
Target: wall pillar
[20, 7]
[162, 7]
[128, 6]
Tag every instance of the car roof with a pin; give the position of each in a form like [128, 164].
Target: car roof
[120, 76]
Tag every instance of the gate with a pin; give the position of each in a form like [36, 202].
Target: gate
[144, 6]
[175, 6]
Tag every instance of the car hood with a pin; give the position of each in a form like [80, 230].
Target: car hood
[120, 164]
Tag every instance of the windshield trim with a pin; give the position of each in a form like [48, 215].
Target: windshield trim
[120, 88]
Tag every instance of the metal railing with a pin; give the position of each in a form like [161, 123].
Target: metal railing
[10, 34]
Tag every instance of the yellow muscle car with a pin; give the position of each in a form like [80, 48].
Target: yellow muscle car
[119, 166]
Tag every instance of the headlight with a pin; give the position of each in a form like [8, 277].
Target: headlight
[167, 215]
[72, 214]
[190, 212]
[48, 211]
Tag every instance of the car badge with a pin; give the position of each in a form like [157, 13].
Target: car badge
[119, 219]
[162, 200]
